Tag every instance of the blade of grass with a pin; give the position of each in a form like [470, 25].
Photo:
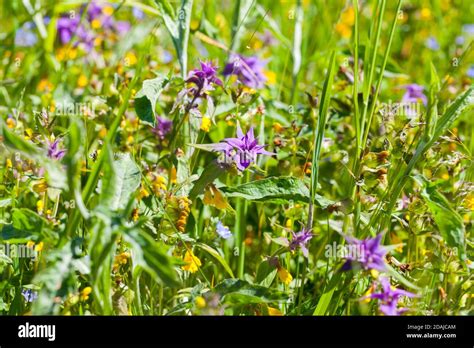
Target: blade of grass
[319, 133]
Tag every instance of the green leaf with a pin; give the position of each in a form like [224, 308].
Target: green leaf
[238, 291]
[27, 220]
[121, 180]
[325, 299]
[209, 174]
[178, 28]
[266, 273]
[275, 189]
[151, 257]
[449, 222]
[214, 253]
[455, 109]
[13, 236]
[145, 99]
[56, 281]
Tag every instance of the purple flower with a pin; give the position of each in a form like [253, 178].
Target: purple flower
[369, 253]
[25, 37]
[267, 38]
[243, 150]
[137, 13]
[163, 127]
[300, 240]
[468, 28]
[432, 43]
[470, 71]
[222, 230]
[203, 79]
[414, 93]
[94, 10]
[389, 297]
[249, 70]
[29, 295]
[122, 27]
[459, 40]
[67, 27]
[54, 152]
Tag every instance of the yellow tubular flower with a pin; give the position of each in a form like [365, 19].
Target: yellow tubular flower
[82, 81]
[206, 124]
[284, 275]
[274, 312]
[39, 206]
[85, 293]
[39, 247]
[200, 302]
[192, 262]
[183, 204]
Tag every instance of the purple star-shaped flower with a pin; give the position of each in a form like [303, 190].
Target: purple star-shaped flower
[67, 26]
[414, 93]
[203, 79]
[249, 70]
[54, 152]
[242, 150]
[369, 253]
[389, 297]
[162, 128]
[300, 240]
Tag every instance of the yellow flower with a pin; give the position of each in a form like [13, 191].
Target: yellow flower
[82, 81]
[96, 24]
[30, 244]
[284, 275]
[271, 77]
[97, 41]
[44, 85]
[85, 293]
[39, 247]
[135, 214]
[9, 163]
[425, 13]
[344, 27]
[277, 127]
[102, 132]
[29, 133]
[289, 223]
[194, 25]
[122, 258]
[130, 59]
[108, 10]
[200, 302]
[143, 193]
[470, 201]
[274, 312]
[40, 206]
[206, 124]
[374, 273]
[10, 123]
[192, 262]
[368, 293]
